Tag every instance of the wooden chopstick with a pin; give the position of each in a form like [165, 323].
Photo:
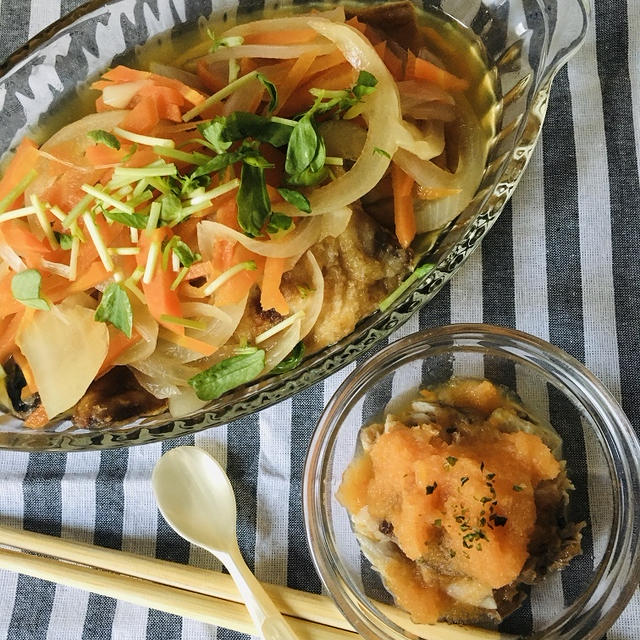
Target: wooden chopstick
[291, 602]
[201, 594]
[151, 594]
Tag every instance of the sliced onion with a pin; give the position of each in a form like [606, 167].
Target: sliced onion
[290, 263]
[221, 325]
[202, 310]
[278, 347]
[433, 214]
[281, 24]
[80, 299]
[343, 138]
[431, 111]
[294, 243]
[307, 232]
[190, 79]
[413, 92]
[382, 111]
[334, 223]
[271, 51]
[419, 144]
[11, 258]
[120, 95]
[434, 131]
[75, 134]
[312, 303]
[424, 173]
[164, 370]
[62, 161]
[185, 402]
[65, 351]
[155, 386]
[59, 269]
[72, 141]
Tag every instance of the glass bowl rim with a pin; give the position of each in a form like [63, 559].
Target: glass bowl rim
[371, 330]
[601, 403]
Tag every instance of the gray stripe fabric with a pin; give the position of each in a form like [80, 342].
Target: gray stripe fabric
[561, 263]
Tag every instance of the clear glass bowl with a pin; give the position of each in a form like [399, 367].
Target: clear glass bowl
[525, 44]
[603, 461]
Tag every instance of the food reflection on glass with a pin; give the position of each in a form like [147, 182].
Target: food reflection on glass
[459, 500]
[218, 216]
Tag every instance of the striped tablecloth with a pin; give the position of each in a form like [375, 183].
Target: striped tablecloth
[561, 263]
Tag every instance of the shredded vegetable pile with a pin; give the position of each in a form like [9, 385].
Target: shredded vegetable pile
[136, 235]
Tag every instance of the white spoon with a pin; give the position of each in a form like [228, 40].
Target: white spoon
[196, 498]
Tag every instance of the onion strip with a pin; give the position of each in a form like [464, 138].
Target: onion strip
[312, 303]
[278, 347]
[270, 51]
[281, 24]
[297, 241]
[382, 111]
[433, 214]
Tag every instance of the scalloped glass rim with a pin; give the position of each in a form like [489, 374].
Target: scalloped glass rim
[615, 575]
[525, 94]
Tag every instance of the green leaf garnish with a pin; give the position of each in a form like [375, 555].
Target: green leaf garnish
[254, 206]
[213, 132]
[135, 220]
[241, 124]
[365, 84]
[271, 90]
[65, 240]
[25, 287]
[257, 160]
[278, 222]
[100, 136]
[317, 163]
[185, 185]
[184, 253]
[219, 163]
[228, 374]
[291, 361]
[341, 101]
[306, 154]
[302, 147]
[295, 198]
[308, 178]
[171, 210]
[222, 131]
[115, 307]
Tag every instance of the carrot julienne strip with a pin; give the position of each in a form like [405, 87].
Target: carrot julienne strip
[294, 77]
[404, 215]
[271, 297]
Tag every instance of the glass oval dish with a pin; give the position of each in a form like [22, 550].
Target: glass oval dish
[600, 447]
[524, 49]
